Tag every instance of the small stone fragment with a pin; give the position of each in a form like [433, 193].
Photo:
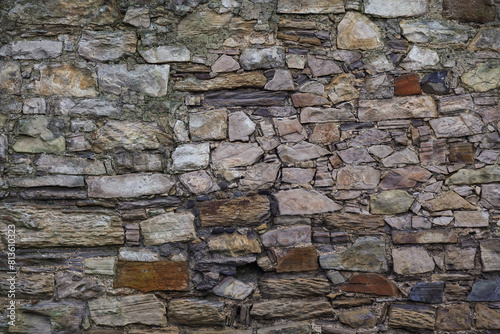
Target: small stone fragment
[431, 293]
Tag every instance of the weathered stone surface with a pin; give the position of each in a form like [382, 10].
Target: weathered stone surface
[417, 317]
[199, 182]
[308, 99]
[254, 79]
[360, 318]
[433, 152]
[290, 328]
[125, 310]
[74, 285]
[350, 302]
[274, 286]
[449, 200]
[202, 23]
[412, 260]
[461, 152]
[47, 181]
[282, 80]
[460, 258]
[424, 237]
[234, 244]
[456, 126]
[40, 49]
[487, 290]
[486, 39]
[297, 175]
[297, 259]
[490, 254]
[407, 85]
[86, 107]
[50, 227]
[301, 201]
[390, 202]
[244, 98]
[166, 54]
[404, 177]
[436, 83]
[244, 211]
[240, 126]
[320, 67]
[434, 31]
[372, 284]
[232, 288]
[395, 8]
[225, 64]
[292, 309]
[483, 77]
[324, 115]
[29, 286]
[325, 133]
[405, 156]
[191, 157]
[287, 236]
[486, 317]
[397, 108]
[356, 31]
[129, 185]
[106, 45]
[366, 254]
[100, 266]
[419, 58]
[488, 174]
[490, 195]
[341, 89]
[454, 318]
[431, 293]
[52, 194]
[10, 77]
[302, 151]
[261, 175]
[252, 59]
[168, 227]
[208, 125]
[310, 7]
[54, 164]
[471, 218]
[358, 177]
[66, 80]
[228, 155]
[151, 80]
[480, 11]
[196, 312]
[290, 129]
[152, 276]
[137, 17]
[136, 254]
[351, 221]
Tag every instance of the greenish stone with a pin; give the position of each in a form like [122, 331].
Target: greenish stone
[37, 145]
[390, 202]
[484, 77]
[488, 174]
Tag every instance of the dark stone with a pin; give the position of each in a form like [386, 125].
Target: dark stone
[239, 98]
[431, 293]
[52, 193]
[479, 11]
[435, 83]
[485, 291]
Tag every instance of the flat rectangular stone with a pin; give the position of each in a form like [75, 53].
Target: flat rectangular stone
[325, 115]
[451, 104]
[194, 312]
[397, 108]
[433, 152]
[128, 185]
[66, 80]
[279, 286]
[291, 309]
[28, 285]
[297, 259]
[286, 236]
[418, 317]
[351, 221]
[490, 254]
[50, 193]
[168, 227]
[69, 181]
[106, 45]
[86, 107]
[253, 79]
[471, 219]
[39, 49]
[100, 266]
[461, 152]
[243, 211]
[310, 6]
[55, 164]
[424, 237]
[238, 98]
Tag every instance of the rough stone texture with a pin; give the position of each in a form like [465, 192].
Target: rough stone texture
[229, 155]
[301, 201]
[424, 237]
[454, 318]
[487, 318]
[208, 125]
[427, 292]
[199, 182]
[166, 54]
[293, 286]
[32, 49]
[100, 266]
[66, 80]
[412, 316]
[252, 59]
[234, 244]
[395, 8]
[483, 77]
[485, 291]
[130, 185]
[397, 108]
[193, 311]
[293, 309]
[242, 211]
[356, 31]
[168, 227]
[138, 17]
[297, 260]
[191, 157]
[488, 174]
[106, 45]
[480, 11]
[391, 202]
[412, 260]
[254, 79]
[490, 193]
[287, 236]
[471, 219]
[371, 284]
[232, 288]
[10, 77]
[486, 39]
[310, 7]
[421, 31]
[449, 200]
[359, 318]
[490, 254]
[300, 152]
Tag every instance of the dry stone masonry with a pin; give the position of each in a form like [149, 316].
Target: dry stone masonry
[251, 166]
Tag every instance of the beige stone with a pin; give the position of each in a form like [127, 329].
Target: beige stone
[66, 80]
[168, 227]
[356, 31]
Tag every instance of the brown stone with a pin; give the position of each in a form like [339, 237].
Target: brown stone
[433, 152]
[308, 100]
[291, 309]
[351, 221]
[202, 23]
[424, 237]
[279, 286]
[152, 276]
[66, 80]
[480, 11]
[327, 133]
[297, 259]
[351, 302]
[462, 152]
[454, 318]
[412, 316]
[404, 178]
[487, 318]
[358, 318]
[449, 200]
[234, 244]
[310, 6]
[372, 284]
[254, 79]
[196, 312]
[244, 211]
[407, 85]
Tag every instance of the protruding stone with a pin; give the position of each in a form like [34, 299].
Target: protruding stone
[320, 67]
[291, 309]
[436, 83]
[168, 227]
[128, 185]
[68, 181]
[326, 133]
[66, 80]
[289, 328]
[405, 156]
[234, 244]
[483, 77]
[34, 106]
[359, 318]
[310, 6]
[244, 211]
[341, 89]
[391, 202]
[106, 45]
[397, 108]
[208, 125]
[356, 31]
[282, 80]
[479, 11]
[297, 175]
[419, 58]
[303, 202]
[137, 17]
[449, 200]
[412, 260]
[252, 59]
[486, 290]
[297, 259]
[253, 79]
[196, 312]
[240, 126]
[191, 157]
[417, 317]
[232, 288]
[40, 49]
[308, 100]
[201, 23]
[29, 286]
[454, 318]
[86, 107]
[395, 8]
[371, 284]
[225, 64]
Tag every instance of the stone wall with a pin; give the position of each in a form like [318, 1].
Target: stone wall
[251, 166]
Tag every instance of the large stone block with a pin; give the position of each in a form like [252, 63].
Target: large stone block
[356, 31]
[106, 45]
[36, 50]
[193, 312]
[304, 202]
[397, 108]
[54, 164]
[66, 80]
[243, 211]
[10, 77]
[168, 227]
[208, 125]
[128, 185]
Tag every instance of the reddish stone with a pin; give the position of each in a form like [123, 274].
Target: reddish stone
[371, 283]
[152, 276]
[297, 259]
[462, 152]
[407, 85]
[433, 152]
[243, 211]
[308, 100]
[480, 11]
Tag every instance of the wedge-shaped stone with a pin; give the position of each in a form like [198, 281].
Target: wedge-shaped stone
[129, 185]
[424, 237]
[106, 45]
[483, 77]
[288, 286]
[125, 310]
[297, 259]
[486, 39]
[490, 254]
[419, 317]
[243, 211]
[193, 312]
[356, 31]
[287, 236]
[390, 202]
[152, 276]
[234, 244]
[191, 157]
[254, 79]
[40, 49]
[137, 17]
[229, 155]
[325, 115]
[366, 254]
[485, 290]
[488, 174]
[358, 177]
[434, 31]
[53, 227]
[405, 156]
[412, 260]
[291, 309]
[371, 284]
[208, 125]
[234, 289]
[68, 181]
[261, 175]
[395, 8]
[66, 80]
[471, 218]
[304, 202]
[168, 227]
[397, 108]
[54, 164]
[310, 6]
[301, 152]
[449, 200]
[151, 80]
[165, 54]
[486, 317]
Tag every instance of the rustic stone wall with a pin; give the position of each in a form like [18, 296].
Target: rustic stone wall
[250, 166]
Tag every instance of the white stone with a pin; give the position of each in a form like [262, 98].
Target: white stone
[240, 126]
[395, 8]
[165, 54]
[420, 58]
[190, 157]
[168, 227]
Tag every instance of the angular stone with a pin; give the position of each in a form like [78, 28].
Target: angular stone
[191, 157]
[424, 237]
[455, 126]
[86, 107]
[308, 99]
[436, 83]
[165, 54]
[136, 254]
[126, 162]
[74, 285]
[303, 202]
[128, 185]
[54, 164]
[412, 260]
[390, 202]
[37, 145]
[29, 286]
[199, 182]
[252, 59]
[290, 129]
[168, 227]
[434, 31]
[202, 23]
[66, 80]
[490, 254]
[407, 85]
[290, 328]
[487, 290]
[461, 152]
[225, 64]
[297, 175]
[51, 227]
[490, 195]
[4, 146]
[350, 302]
[310, 7]
[326, 133]
[282, 80]
[324, 115]
[228, 155]
[460, 258]
[40, 49]
[486, 317]
[151, 80]
[196, 312]
[320, 67]
[232, 288]
[240, 126]
[431, 293]
[243, 211]
[100, 266]
[137, 17]
[125, 310]
[405, 156]
[417, 317]
[471, 218]
[262, 175]
[371, 284]
[395, 8]
[52, 194]
[300, 152]
[297, 259]
[245, 98]
[360, 318]
[274, 286]
[404, 178]
[341, 89]
[397, 108]
[451, 104]
[358, 177]
[355, 156]
[479, 11]
[234, 244]
[254, 79]
[106, 45]
[208, 125]
[349, 221]
[356, 31]
[10, 77]
[291, 309]
[47, 181]
[486, 39]
[488, 174]
[449, 200]
[286, 237]
[419, 58]
[152, 276]
[483, 77]
[454, 318]
[366, 254]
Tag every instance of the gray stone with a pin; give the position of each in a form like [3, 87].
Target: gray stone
[36, 50]
[202, 23]
[324, 115]
[208, 125]
[29, 285]
[166, 54]
[490, 195]
[128, 185]
[225, 64]
[106, 45]
[100, 266]
[303, 202]
[358, 177]
[405, 156]
[199, 312]
[300, 152]
[360, 318]
[290, 129]
[460, 258]
[297, 175]
[490, 254]
[483, 77]
[282, 80]
[419, 58]
[199, 182]
[449, 200]
[151, 80]
[252, 59]
[435, 31]
[229, 155]
[10, 77]
[189, 157]
[133, 254]
[137, 17]
[397, 108]
[4, 146]
[371, 137]
[232, 288]
[286, 237]
[488, 174]
[138, 162]
[76, 286]
[168, 227]
[241, 126]
[487, 290]
[486, 39]
[431, 293]
[356, 31]
[380, 151]
[471, 218]
[292, 286]
[54, 164]
[320, 67]
[68, 181]
[366, 254]
[391, 202]
[454, 126]
[310, 6]
[86, 107]
[452, 104]
[355, 156]
[412, 260]
[261, 175]
[395, 8]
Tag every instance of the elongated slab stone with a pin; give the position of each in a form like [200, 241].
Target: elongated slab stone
[254, 79]
[229, 155]
[168, 227]
[37, 50]
[431, 293]
[243, 98]
[234, 244]
[70, 181]
[351, 221]
[243, 211]
[395, 8]
[291, 309]
[324, 115]
[106, 45]
[471, 218]
[310, 6]
[397, 108]
[412, 316]
[449, 200]
[485, 290]
[287, 236]
[304, 202]
[54, 164]
[436, 31]
[424, 237]
[301, 152]
[488, 174]
[128, 185]
[358, 177]
[274, 286]
[490, 254]
[165, 53]
[196, 312]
